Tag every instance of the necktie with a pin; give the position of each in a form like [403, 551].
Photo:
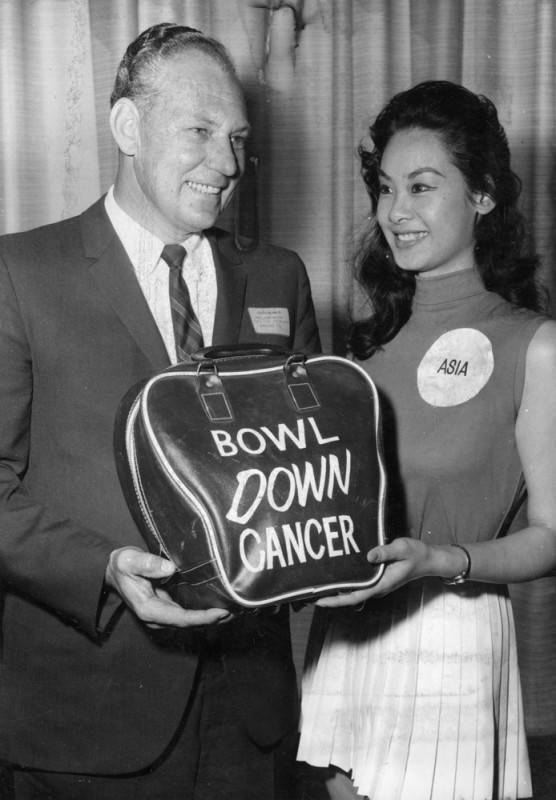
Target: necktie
[187, 330]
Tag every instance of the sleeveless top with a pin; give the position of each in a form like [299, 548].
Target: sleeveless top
[451, 384]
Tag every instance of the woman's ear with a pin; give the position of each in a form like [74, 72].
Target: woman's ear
[483, 203]
[124, 124]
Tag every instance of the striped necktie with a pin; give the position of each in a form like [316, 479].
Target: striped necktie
[187, 330]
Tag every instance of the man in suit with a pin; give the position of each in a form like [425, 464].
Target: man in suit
[108, 689]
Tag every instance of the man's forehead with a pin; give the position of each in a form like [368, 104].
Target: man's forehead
[200, 90]
[183, 100]
[201, 77]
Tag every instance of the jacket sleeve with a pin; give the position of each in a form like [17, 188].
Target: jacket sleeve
[43, 555]
[306, 332]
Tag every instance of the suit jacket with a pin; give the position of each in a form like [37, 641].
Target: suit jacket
[75, 334]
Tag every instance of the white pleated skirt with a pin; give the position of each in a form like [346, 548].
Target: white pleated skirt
[419, 697]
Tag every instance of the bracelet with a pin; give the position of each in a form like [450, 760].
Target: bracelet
[462, 576]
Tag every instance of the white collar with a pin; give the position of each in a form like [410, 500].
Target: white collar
[142, 246]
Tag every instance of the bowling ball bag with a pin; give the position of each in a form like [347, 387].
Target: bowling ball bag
[258, 472]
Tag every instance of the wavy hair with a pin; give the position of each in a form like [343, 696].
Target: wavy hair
[469, 128]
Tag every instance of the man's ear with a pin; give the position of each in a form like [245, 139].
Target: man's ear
[124, 124]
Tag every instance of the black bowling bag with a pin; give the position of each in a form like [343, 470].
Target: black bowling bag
[258, 472]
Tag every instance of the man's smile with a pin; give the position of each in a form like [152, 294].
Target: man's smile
[203, 188]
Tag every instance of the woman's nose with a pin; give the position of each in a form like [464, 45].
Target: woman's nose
[400, 208]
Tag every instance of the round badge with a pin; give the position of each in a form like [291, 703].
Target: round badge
[455, 368]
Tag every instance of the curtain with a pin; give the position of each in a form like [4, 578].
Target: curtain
[315, 73]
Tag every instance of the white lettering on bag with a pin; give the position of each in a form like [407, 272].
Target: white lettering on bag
[291, 544]
[263, 436]
[253, 486]
[274, 489]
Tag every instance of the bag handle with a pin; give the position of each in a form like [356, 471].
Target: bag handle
[239, 351]
[212, 392]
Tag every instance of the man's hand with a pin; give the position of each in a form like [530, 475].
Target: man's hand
[131, 573]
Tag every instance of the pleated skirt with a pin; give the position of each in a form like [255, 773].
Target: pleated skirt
[418, 696]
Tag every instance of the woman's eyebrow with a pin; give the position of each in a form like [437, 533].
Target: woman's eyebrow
[415, 173]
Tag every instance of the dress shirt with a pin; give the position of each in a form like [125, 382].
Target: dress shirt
[144, 250]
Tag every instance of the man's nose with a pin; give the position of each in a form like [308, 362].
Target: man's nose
[223, 158]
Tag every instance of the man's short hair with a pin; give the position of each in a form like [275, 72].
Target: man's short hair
[137, 73]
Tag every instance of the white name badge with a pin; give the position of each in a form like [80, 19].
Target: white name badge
[455, 368]
[270, 321]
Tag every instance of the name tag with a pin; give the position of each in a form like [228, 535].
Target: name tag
[455, 368]
[270, 321]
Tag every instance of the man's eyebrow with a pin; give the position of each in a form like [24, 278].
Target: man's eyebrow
[246, 129]
[200, 119]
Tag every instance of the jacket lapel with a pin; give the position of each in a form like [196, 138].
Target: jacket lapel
[116, 280]
[231, 280]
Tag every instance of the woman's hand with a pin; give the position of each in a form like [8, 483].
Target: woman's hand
[405, 560]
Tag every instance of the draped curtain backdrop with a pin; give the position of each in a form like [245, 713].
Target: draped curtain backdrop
[316, 72]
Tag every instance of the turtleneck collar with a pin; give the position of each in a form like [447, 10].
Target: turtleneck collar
[448, 288]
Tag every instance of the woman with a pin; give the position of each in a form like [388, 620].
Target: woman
[417, 696]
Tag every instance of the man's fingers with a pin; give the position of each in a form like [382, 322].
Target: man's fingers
[133, 561]
[131, 572]
[160, 610]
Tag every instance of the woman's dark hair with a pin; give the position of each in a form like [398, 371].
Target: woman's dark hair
[469, 128]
